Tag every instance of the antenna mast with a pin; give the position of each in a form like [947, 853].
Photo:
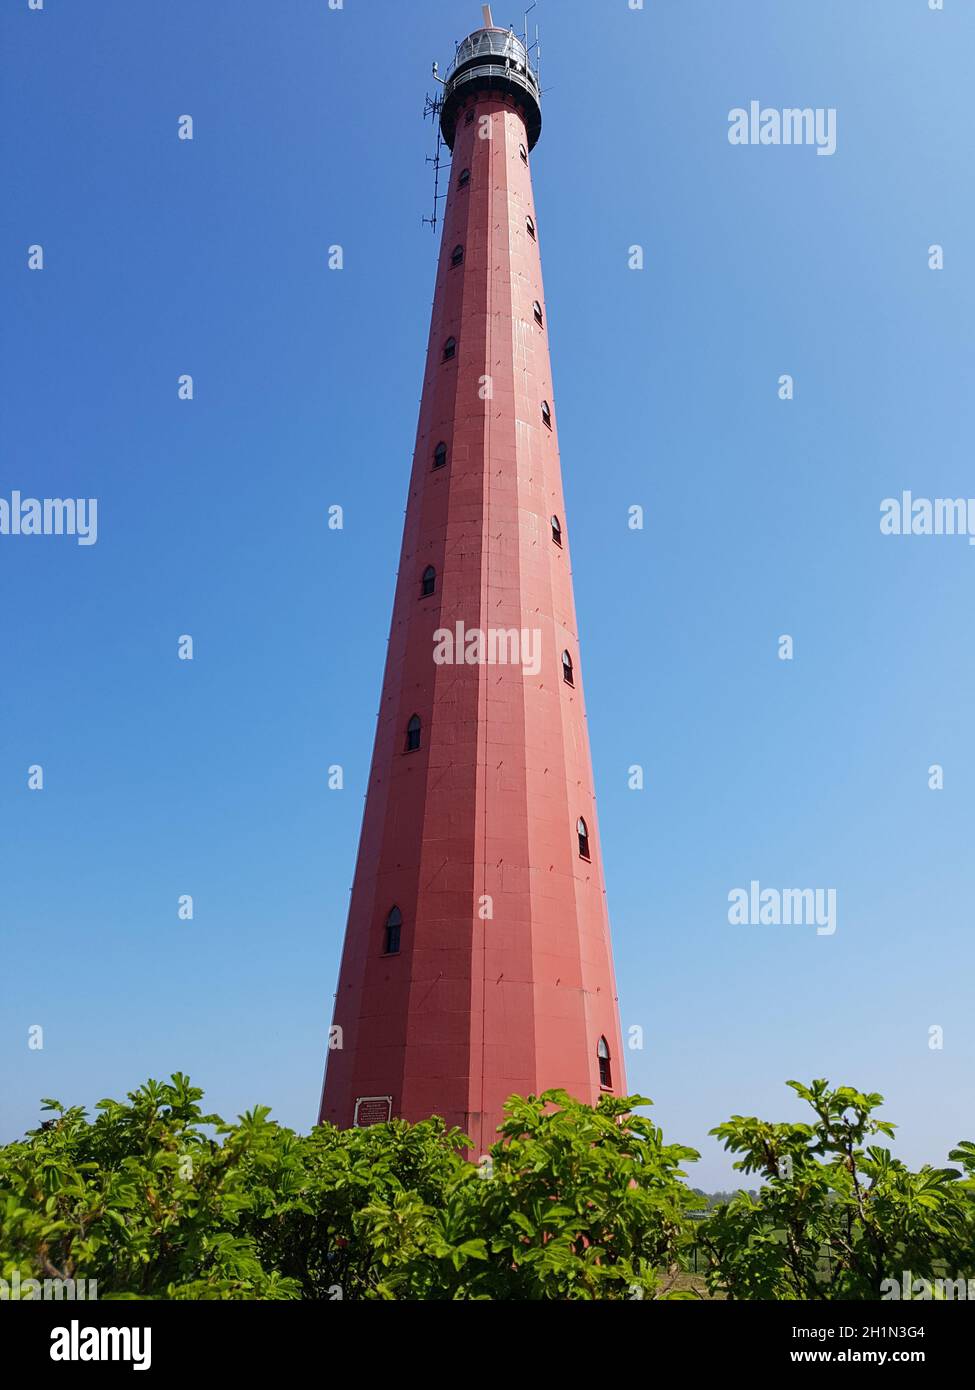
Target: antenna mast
[432, 107]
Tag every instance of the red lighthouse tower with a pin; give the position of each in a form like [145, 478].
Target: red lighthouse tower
[477, 959]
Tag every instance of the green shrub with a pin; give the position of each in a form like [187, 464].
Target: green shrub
[156, 1199]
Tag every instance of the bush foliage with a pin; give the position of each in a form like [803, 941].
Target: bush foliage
[155, 1198]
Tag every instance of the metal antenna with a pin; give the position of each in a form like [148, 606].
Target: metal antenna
[431, 107]
[527, 13]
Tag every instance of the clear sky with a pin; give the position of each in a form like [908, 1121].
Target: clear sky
[165, 777]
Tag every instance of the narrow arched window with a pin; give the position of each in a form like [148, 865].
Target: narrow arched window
[582, 831]
[413, 734]
[450, 349]
[537, 309]
[464, 178]
[605, 1070]
[394, 927]
[556, 530]
[469, 117]
[440, 455]
[457, 256]
[529, 223]
[429, 583]
[523, 152]
[567, 672]
[546, 414]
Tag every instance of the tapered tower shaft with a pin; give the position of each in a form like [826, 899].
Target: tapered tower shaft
[477, 957]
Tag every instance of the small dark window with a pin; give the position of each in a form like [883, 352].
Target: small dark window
[450, 349]
[457, 256]
[464, 178]
[440, 455]
[581, 831]
[556, 530]
[546, 414]
[429, 583]
[538, 313]
[605, 1071]
[413, 735]
[523, 152]
[394, 926]
[469, 117]
[531, 228]
[567, 672]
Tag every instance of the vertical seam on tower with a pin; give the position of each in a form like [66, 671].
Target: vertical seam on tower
[488, 340]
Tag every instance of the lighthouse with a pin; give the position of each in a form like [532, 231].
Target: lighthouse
[477, 960]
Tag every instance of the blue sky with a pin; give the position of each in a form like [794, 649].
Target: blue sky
[209, 777]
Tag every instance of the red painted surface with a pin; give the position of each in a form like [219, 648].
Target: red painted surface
[471, 1010]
